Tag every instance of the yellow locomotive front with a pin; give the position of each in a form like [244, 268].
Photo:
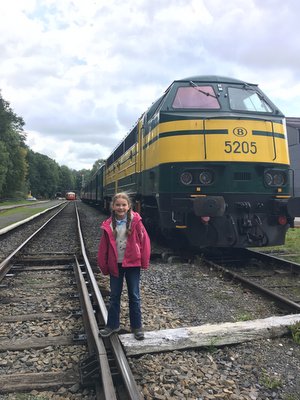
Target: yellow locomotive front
[215, 164]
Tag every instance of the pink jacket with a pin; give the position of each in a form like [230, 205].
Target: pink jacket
[137, 252]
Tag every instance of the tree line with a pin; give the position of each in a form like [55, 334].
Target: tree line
[23, 171]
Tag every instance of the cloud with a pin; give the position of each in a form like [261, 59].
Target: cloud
[80, 73]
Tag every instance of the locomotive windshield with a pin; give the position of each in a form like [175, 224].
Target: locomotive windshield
[243, 99]
[196, 97]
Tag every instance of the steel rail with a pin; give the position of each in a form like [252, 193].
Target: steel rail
[264, 256]
[107, 387]
[4, 265]
[286, 302]
[97, 343]
[99, 298]
[121, 360]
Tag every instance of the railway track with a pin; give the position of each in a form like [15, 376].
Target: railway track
[178, 292]
[274, 277]
[51, 311]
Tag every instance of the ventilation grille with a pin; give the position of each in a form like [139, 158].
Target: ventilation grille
[242, 176]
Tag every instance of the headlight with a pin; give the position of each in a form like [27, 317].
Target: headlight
[268, 179]
[186, 178]
[275, 178]
[206, 177]
[278, 179]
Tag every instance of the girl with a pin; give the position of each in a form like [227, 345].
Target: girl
[123, 250]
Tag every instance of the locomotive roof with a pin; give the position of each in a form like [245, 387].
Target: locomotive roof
[213, 78]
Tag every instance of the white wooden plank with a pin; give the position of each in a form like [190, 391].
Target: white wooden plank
[208, 335]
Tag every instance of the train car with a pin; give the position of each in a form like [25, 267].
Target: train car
[208, 159]
[70, 196]
[93, 191]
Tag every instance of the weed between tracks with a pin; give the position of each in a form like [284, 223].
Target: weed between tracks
[295, 330]
[270, 381]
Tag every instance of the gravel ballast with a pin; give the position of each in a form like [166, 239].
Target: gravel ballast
[177, 294]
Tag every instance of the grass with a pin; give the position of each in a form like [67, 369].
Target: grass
[292, 243]
[244, 316]
[16, 210]
[295, 330]
[12, 202]
[28, 396]
[212, 348]
[269, 381]
[20, 210]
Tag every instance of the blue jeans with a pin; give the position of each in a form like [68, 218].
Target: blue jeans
[132, 277]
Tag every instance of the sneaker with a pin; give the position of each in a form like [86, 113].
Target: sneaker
[138, 333]
[107, 331]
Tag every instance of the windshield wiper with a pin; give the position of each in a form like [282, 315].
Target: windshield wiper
[193, 84]
[248, 87]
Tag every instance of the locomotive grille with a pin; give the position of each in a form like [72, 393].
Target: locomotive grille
[242, 176]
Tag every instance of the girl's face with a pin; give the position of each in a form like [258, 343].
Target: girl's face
[120, 207]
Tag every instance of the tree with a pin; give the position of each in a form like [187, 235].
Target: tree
[13, 165]
[43, 177]
[83, 176]
[97, 164]
[17, 169]
[9, 120]
[67, 180]
[4, 157]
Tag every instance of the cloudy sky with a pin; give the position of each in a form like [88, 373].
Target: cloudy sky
[81, 72]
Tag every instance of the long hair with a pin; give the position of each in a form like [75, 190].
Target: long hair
[121, 195]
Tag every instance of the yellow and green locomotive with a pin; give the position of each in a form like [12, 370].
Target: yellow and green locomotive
[208, 159]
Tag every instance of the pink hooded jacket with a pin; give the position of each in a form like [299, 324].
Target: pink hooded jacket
[137, 252]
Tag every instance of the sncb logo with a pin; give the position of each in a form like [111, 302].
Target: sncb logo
[240, 132]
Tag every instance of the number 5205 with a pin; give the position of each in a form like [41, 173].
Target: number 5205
[240, 147]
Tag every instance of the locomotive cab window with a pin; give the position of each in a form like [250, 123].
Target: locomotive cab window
[245, 99]
[196, 97]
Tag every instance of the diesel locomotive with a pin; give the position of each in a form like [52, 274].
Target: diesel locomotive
[209, 159]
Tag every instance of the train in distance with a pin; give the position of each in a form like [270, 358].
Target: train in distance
[208, 161]
[70, 196]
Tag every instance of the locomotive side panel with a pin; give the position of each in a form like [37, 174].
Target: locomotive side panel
[122, 167]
